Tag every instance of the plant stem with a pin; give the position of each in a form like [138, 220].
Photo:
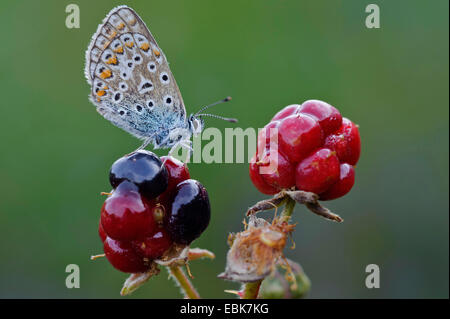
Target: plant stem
[184, 282]
[251, 290]
[288, 209]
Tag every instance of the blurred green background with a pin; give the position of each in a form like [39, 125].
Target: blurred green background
[393, 82]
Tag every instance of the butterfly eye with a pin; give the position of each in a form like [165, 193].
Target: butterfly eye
[164, 78]
[151, 67]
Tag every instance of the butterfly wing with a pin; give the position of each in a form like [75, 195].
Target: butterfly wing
[131, 82]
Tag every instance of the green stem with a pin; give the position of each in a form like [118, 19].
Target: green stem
[288, 209]
[184, 282]
[251, 290]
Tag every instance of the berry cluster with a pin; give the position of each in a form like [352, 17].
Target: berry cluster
[154, 205]
[315, 152]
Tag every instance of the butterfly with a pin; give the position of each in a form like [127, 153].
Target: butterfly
[132, 85]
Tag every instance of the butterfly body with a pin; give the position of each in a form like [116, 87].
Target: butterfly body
[132, 85]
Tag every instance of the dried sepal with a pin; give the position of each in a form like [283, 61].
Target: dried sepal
[267, 204]
[318, 209]
[302, 197]
[198, 253]
[177, 255]
[310, 200]
[255, 250]
[136, 280]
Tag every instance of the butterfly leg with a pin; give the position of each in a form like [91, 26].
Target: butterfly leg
[171, 151]
[147, 141]
[185, 144]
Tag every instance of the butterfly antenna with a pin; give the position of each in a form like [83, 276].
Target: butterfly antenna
[228, 119]
[228, 98]
[200, 114]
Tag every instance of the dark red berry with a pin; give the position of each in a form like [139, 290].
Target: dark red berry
[287, 111]
[190, 212]
[346, 142]
[101, 232]
[258, 181]
[299, 135]
[343, 185]
[328, 117]
[318, 172]
[275, 170]
[126, 215]
[144, 169]
[123, 257]
[154, 246]
[177, 171]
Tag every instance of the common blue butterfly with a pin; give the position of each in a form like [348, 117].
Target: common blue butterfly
[132, 85]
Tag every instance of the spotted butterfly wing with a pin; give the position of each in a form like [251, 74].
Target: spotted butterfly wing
[131, 82]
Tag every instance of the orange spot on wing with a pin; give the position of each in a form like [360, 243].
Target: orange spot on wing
[101, 93]
[129, 44]
[145, 47]
[118, 50]
[105, 74]
[121, 26]
[156, 52]
[112, 60]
